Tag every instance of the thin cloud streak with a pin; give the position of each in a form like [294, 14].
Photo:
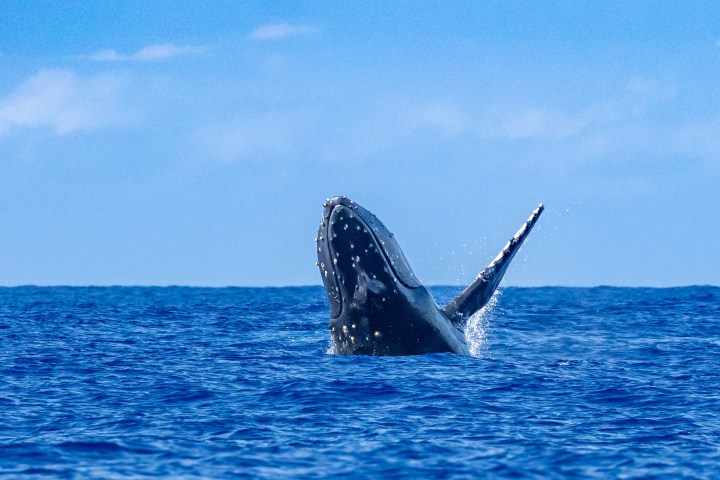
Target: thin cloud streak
[278, 31]
[148, 53]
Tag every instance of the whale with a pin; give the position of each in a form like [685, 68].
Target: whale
[377, 304]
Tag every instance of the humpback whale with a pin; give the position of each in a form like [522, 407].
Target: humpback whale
[377, 304]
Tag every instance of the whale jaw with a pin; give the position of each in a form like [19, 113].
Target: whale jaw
[393, 321]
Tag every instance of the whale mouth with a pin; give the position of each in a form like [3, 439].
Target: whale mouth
[352, 239]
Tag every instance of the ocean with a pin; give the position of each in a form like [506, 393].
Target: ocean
[180, 382]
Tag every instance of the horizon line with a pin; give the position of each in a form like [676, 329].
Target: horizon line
[174, 285]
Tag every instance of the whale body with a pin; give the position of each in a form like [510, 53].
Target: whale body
[377, 304]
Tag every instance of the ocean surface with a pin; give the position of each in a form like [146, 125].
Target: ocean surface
[178, 382]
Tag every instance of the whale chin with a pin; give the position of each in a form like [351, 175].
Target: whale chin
[377, 304]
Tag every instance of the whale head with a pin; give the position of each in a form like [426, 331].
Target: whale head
[377, 304]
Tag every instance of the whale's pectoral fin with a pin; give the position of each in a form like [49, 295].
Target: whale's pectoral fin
[481, 290]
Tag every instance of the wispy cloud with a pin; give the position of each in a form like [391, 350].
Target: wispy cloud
[278, 31]
[540, 124]
[511, 121]
[267, 135]
[63, 102]
[447, 117]
[161, 51]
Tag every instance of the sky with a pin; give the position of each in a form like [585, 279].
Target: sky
[193, 143]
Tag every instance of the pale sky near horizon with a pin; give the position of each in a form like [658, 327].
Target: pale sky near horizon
[193, 143]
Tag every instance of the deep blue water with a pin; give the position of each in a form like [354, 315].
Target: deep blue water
[236, 383]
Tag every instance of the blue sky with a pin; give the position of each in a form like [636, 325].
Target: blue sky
[193, 143]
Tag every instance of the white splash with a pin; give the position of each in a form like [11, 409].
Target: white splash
[332, 349]
[477, 327]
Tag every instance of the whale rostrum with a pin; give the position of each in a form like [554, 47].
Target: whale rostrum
[377, 304]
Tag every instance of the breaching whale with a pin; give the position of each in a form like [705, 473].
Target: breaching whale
[377, 305]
